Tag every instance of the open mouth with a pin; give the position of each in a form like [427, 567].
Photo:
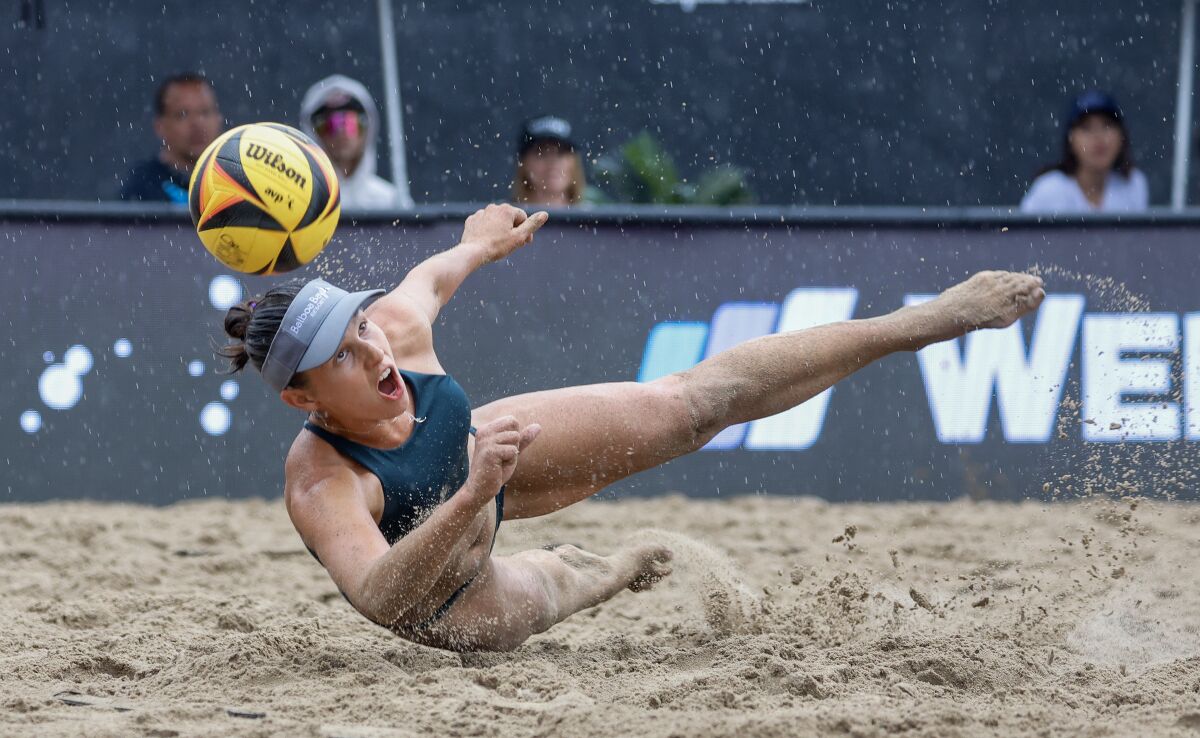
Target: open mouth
[389, 384]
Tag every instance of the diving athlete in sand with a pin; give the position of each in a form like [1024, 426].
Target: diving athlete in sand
[398, 486]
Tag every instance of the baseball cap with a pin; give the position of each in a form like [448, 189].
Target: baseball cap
[545, 128]
[1092, 101]
[311, 330]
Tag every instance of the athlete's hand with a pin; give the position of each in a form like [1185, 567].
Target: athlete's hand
[498, 445]
[501, 229]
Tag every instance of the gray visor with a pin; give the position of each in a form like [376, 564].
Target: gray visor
[312, 330]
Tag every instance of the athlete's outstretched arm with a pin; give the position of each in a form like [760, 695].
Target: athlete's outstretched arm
[489, 235]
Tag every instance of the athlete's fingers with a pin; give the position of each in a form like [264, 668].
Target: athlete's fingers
[519, 216]
[506, 454]
[528, 434]
[503, 423]
[526, 229]
[507, 438]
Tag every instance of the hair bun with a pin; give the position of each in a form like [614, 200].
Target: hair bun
[252, 325]
[237, 322]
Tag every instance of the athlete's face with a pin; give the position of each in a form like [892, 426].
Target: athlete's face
[190, 120]
[360, 382]
[1096, 141]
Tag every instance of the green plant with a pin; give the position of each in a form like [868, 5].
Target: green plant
[641, 171]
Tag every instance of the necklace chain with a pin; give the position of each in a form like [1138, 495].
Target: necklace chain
[323, 420]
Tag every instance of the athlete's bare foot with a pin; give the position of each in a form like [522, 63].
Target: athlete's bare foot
[651, 564]
[636, 568]
[986, 300]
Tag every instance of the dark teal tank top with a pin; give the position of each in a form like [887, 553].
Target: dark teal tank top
[430, 466]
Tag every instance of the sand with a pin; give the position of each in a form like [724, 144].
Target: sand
[785, 616]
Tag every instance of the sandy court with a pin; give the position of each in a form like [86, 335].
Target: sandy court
[785, 616]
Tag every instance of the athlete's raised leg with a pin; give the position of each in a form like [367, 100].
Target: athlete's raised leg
[595, 435]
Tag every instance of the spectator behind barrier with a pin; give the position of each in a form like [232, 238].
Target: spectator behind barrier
[1096, 173]
[549, 167]
[340, 114]
[186, 119]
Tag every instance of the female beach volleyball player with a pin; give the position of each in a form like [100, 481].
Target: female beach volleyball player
[397, 486]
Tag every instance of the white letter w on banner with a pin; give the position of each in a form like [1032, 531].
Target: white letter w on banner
[960, 383]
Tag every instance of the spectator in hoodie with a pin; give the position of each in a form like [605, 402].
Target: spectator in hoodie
[340, 114]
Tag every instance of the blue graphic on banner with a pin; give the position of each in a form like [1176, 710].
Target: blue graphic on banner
[734, 323]
[672, 347]
[675, 346]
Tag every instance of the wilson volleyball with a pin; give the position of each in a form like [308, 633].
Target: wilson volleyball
[264, 198]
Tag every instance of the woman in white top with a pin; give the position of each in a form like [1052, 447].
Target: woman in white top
[1096, 174]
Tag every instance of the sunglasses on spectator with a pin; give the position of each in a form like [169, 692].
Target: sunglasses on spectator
[349, 123]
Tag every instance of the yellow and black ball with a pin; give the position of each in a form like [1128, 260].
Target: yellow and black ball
[264, 198]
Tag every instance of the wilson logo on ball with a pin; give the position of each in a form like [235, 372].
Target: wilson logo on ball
[274, 161]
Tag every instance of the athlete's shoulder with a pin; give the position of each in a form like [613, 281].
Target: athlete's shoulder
[323, 490]
[312, 462]
[318, 479]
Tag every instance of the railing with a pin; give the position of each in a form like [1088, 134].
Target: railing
[792, 215]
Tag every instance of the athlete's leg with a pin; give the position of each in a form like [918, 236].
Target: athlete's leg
[594, 435]
[517, 596]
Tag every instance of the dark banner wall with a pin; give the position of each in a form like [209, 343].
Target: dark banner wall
[111, 390]
[903, 102]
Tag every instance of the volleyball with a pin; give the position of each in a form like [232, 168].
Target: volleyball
[264, 198]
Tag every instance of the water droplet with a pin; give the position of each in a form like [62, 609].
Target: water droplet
[224, 292]
[31, 421]
[78, 359]
[60, 387]
[214, 419]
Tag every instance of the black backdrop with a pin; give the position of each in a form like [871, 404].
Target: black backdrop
[577, 307]
[907, 101]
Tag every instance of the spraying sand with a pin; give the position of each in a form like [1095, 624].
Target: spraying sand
[785, 616]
